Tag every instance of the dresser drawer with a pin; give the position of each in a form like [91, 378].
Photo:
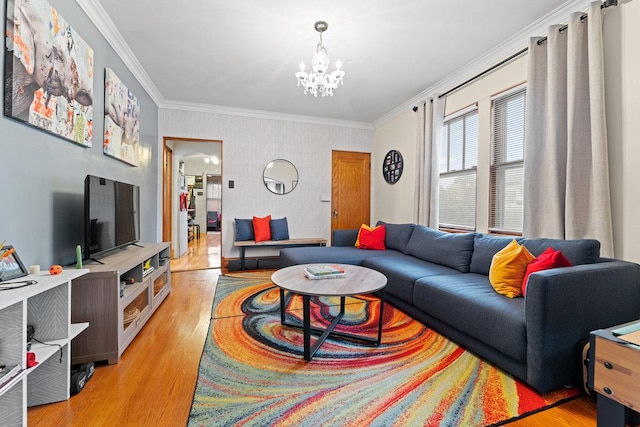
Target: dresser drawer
[617, 372]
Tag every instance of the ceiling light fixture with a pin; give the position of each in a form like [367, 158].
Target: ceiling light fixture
[318, 80]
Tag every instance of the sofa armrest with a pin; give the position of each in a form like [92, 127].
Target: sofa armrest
[564, 305]
[344, 237]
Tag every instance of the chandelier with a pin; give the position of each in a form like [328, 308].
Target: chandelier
[319, 80]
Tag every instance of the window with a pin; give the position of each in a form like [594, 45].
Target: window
[507, 168]
[458, 161]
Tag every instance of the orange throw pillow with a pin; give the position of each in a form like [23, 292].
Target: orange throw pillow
[262, 228]
[371, 238]
[508, 268]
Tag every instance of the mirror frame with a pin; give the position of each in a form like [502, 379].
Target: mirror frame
[272, 184]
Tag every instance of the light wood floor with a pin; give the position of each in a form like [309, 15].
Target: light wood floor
[154, 382]
[202, 253]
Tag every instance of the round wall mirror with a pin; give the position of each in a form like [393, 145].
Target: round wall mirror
[280, 176]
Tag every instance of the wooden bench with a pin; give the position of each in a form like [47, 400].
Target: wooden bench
[290, 243]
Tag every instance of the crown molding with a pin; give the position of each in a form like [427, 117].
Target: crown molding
[261, 114]
[517, 42]
[96, 13]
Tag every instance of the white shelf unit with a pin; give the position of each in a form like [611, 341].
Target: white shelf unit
[117, 318]
[47, 306]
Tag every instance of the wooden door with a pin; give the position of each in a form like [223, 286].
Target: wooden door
[350, 189]
[167, 192]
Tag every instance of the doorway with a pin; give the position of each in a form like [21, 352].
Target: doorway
[192, 204]
[350, 189]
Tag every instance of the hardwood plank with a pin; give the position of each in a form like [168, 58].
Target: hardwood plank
[154, 382]
[201, 253]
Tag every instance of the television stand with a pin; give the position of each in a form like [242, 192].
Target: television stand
[117, 313]
[137, 244]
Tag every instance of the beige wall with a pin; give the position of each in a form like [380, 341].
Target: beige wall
[395, 203]
[622, 68]
[481, 92]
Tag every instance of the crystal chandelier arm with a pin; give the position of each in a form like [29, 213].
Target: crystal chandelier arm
[319, 79]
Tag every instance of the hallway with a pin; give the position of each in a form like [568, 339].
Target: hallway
[202, 253]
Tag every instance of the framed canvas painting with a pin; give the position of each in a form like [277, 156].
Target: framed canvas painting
[48, 72]
[121, 121]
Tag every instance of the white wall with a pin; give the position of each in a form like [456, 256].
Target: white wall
[249, 144]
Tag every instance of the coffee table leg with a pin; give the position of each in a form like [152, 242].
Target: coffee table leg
[380, 320]
[283, 305]
[306, 326]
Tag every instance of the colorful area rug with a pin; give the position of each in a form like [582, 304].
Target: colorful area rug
[252, 371]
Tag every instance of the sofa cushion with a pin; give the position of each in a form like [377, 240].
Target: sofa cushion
[547, 260]
[579, 251]
[262, 228]
[344, 237]
[328, 254]
[468, 303]
[279, 229]
[371, 238]
[508, 268]
[484, 248]
[398, 235]
[448, 249]
[244, 229]
[403, 270]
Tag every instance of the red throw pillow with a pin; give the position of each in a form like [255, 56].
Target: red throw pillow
[262, 228]
[372, 238]
[548, 259]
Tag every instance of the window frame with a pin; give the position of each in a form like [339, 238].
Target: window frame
[496, 168]
[463, 115]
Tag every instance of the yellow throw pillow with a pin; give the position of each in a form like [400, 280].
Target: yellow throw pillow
[363, 226]
[508, 268]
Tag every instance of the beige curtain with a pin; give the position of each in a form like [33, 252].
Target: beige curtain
[566, 173]
[430, 116]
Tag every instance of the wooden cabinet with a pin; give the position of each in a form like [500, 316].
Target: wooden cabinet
[45, 306]
[117, 298]
[616, 374]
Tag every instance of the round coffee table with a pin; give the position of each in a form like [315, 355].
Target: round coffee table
[357, 281]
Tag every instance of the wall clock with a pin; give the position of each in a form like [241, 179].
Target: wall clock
[392, 166]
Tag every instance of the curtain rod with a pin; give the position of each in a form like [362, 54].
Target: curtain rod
[604, 5]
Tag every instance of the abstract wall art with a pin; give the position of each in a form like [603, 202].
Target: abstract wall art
[48, 72]
[121, 120]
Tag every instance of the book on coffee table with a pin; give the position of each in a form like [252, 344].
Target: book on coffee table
[324, 272]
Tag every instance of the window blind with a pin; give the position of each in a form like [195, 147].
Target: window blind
[507, 169]
[458, 161]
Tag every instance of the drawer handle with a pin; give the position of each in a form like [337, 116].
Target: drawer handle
[608, 365]
[607, 390]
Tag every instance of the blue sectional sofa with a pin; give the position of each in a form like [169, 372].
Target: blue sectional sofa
[441, 279]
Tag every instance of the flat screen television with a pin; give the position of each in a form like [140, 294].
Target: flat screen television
[112, 215]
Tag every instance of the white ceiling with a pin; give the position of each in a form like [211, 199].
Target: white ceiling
[243, 54]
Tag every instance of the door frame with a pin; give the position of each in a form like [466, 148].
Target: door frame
[168, 180]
